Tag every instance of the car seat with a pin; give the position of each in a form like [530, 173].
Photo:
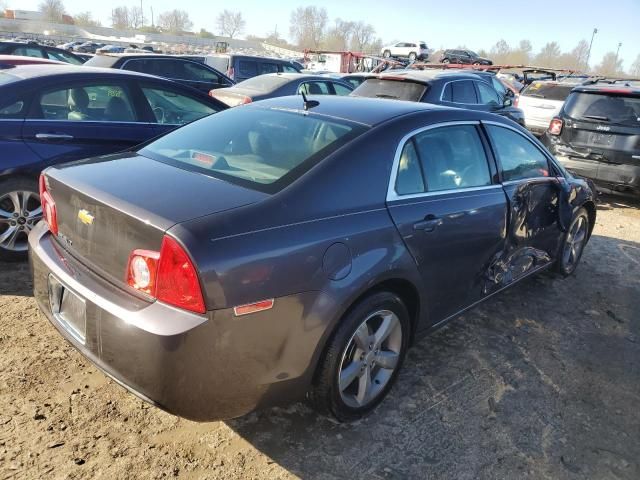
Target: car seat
[78, 103]
[117, 110]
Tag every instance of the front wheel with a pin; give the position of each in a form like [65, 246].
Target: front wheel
[19, 212]
[446, 61]
[573, 244]
[362, 360]
[413, 56]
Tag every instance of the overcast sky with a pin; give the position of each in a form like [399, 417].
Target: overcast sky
[476, 24]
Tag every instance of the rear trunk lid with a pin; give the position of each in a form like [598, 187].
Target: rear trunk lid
[109, 206]
[541, 101]
[234, 96]
[602, 127]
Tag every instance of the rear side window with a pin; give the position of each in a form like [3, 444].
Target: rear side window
[63, 57]
[519, 157]
[259, 148]
[314, 88]
[247, 68]
[341, 89]
[409, 179]
[618, 109]
[173, 108]
[289, 69]
[268, 68]
[28, 52]
[86, 104]
[548, 90]
[393, 89]
[461, 91]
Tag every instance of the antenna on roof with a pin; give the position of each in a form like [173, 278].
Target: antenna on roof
[308, 103]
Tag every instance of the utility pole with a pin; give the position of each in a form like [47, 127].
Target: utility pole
[141, 14]
[617, 52]
[153, 25]
[595, 30]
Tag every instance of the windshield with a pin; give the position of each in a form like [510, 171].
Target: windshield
[548, 90]
[604, 107]
[255, 147]
[393, 89]
[264, 83]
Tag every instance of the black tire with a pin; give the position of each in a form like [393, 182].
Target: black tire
[579, 227]
[386, 54]
[413, 56]
[13, 185]
[476, 64]
[446, 61]
[326, 395]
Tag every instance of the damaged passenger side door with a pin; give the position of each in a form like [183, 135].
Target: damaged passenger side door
[533, 193]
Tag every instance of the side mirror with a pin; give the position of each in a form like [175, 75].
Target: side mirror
[509, 93]
[508, 101]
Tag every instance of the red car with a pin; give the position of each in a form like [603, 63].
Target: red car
[13, 60]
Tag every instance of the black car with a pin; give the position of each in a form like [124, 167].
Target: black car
[294, 248]
[179, 69]
[242, 67]
[474, 91]
[597, 135]
[281, 85]
[53, 114]
[39, 51]
[467, 57]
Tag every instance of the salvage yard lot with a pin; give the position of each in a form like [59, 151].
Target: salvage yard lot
[542, 381]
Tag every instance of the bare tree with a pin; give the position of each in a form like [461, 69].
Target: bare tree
[3, 7]
[85, 19]
[634, 71]
[307, 26]
[339, 36]
[136, 17]
[120, 18]
[52, 10]
[500, 52]
[580, 54]
[175, 21]
[363, 35]
[231, 23]
[610, 65]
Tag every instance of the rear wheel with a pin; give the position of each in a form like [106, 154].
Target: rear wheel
[413, 56]
[386, 54]
[363, 358]
[19, 212]
[476, 64]
[573, 245]
[446, 61]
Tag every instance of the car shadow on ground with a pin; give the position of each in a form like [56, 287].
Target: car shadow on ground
[15, 279]
[612, 202]
[541, 381]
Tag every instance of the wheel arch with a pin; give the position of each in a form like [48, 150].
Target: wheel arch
[590, 207]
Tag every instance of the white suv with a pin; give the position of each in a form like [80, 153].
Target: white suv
[411, 50]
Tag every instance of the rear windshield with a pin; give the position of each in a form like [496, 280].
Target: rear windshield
[254, 147]
[394, 89]
[618, 109]
[265, 83]
[101, 61]
[548, 90]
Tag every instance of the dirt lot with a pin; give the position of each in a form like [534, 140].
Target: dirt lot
[541, 382]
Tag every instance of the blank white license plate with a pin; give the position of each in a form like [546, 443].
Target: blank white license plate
[68, 309]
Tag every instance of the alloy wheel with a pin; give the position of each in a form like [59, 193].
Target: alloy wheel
[20, 211]
[370, 358]
[574, 244]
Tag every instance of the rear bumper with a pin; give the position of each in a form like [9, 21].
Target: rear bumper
[201, 367]
[617, 177]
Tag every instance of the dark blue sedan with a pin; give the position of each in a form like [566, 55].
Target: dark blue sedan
[50, 115]
[293, 247]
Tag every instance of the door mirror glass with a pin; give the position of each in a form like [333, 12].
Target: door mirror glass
[508, 101]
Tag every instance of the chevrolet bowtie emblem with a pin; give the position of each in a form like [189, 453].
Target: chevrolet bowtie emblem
[85, 217]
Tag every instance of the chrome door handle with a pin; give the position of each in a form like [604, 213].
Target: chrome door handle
[53, 136]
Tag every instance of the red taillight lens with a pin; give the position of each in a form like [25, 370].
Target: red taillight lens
[245, 100]
[168, 275]
[555, 127]
[516, 100]
[48, 206]
[177, 280]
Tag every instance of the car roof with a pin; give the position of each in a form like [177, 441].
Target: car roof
[624, 89]
[362, 110]
[26, 72]
[300, 76]
[426, 76]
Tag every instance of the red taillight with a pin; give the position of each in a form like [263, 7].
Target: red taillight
[245, 100]
[168, 275]
[516, 99]
[555, 127]
[48, 206]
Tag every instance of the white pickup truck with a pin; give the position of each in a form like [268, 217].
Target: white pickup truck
[541, 101]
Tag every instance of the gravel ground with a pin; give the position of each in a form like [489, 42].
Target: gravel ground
[542, 381]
